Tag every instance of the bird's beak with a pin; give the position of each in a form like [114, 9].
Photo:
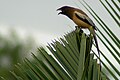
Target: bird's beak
[60, 11]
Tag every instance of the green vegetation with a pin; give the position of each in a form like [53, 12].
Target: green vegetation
[72, 57]
[12, 50]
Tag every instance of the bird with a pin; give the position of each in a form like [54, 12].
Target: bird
[81, 19]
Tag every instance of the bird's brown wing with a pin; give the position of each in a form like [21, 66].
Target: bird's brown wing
[85, 18]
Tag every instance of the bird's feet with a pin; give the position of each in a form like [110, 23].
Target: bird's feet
[78, 28]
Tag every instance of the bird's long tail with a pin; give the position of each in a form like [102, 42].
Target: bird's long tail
[92, 31]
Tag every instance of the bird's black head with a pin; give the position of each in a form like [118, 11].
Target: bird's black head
[64, 10]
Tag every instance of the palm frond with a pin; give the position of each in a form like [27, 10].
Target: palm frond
[114, 51]
[70, 59]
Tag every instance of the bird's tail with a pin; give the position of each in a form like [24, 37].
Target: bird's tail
[92, 31]
[96, 42]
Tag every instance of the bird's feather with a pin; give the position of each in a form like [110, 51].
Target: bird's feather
[85, 18]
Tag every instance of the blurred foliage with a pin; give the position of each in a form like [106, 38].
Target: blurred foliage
[12, 50]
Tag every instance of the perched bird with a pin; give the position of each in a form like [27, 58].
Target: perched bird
[81, 19]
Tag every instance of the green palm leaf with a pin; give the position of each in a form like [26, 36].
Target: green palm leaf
[114, 40]
[70, 59]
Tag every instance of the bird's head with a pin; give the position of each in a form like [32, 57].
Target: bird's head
[63, 10]
[66, 10]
